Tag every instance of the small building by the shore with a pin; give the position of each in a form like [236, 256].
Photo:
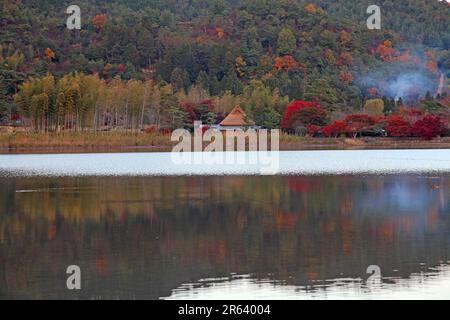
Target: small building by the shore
[236, 120]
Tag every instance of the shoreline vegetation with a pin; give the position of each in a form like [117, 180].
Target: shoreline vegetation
[298, 66]
[122, 141]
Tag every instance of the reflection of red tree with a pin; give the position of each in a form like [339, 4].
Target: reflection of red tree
[312, 273]
[101, 265]
[216, 250]
[347, 235]
[388, 228]
[432, 218]
[406, 223]
[301, 184]
[51, 231]
[346, 206]
[286, 220]
[386, 231]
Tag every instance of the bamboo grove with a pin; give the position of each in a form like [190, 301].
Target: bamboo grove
[79, 102]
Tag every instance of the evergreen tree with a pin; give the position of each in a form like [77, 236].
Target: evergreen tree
[323, 92]
[286, 42]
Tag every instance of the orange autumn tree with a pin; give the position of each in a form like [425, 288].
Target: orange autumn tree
[50, 54]
[431, 62]
[344, 38]
[220, 33]
[404, 57]
[346, 77]
[385, 50]
[285, 63]
[199, 39]
[311, 8]
[345, 58]
[99, 20]
[328, 55]
[432, 66]
[240, 65]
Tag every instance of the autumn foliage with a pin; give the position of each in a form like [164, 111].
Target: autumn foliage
[335, 129]
[193, 110]
[346, 77]
[385, 51]
[311, 8]
[50, 54]
[285, 63]
[99, 20]
[358, 123]
[397, 126]
[345, 58]
[307, 113]
[344, 37]
[313, 129]
[428, 128]
[220, 33]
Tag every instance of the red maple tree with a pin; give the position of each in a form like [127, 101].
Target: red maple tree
[397, 126]
[358, 123]
[428, 127]
[335, 129]
[308, 113]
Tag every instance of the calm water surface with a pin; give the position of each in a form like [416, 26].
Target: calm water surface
[251, 237]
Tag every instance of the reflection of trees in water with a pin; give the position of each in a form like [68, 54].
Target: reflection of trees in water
[145, 236]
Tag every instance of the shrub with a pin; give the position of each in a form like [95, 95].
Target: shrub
[313, 130]
[165, 131]
[151, 129]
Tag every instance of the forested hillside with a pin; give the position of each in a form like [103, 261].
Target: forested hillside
[167, 62]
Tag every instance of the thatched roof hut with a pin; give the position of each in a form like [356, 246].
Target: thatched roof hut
[236, 118]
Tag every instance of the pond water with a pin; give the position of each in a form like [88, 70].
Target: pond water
[304, 236]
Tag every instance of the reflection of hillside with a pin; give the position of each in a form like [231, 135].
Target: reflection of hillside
[142, 237]
[82, 199]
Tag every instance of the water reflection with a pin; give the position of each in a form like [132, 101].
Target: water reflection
[153, 237]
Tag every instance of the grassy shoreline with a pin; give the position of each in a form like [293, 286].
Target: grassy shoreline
[22, 142]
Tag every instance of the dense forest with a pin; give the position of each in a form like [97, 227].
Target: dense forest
[166, 63]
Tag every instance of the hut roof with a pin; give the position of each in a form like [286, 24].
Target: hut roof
[236, 118]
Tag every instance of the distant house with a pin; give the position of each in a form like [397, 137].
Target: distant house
[236, 120]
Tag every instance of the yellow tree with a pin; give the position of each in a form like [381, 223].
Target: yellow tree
[135, 93]
[89, 93]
